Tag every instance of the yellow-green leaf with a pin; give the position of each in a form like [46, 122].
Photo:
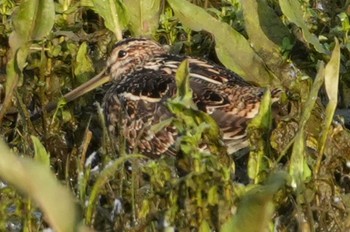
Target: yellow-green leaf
[266, 33]
[113, 13]
[292, 10]
[257, 128]
[33, 20]
[40, 184]
[298, 168]
[331, 84]
[229, 42]
[143, 16]
[184, 90]
[84, 66]
[41, 154]
[256, 208]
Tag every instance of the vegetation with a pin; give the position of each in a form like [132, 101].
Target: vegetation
[62, 170]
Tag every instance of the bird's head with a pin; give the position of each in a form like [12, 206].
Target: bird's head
[129, 55]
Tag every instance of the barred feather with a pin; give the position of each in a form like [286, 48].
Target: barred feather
[144, 78]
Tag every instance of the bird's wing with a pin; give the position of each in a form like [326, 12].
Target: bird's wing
[137, 103]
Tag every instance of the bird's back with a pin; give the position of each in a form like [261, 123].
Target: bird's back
[137, 102]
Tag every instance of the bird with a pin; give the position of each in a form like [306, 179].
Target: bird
[142, 73]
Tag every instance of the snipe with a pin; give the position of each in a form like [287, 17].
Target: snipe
[143, 75]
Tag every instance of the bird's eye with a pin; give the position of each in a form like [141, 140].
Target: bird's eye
[122, 54]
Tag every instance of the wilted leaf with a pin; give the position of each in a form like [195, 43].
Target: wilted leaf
[143, 16]
[229, 43]
[292, 10]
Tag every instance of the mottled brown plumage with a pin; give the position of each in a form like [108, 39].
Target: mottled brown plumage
[143, 73]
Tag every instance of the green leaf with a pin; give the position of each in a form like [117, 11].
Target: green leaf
[143, 16]
[41, 154]
[213, 197]
[266, 33]
[113, 12]
[263, 119]
[263, 26]
[331, 85]
[229, 42]
[184, 91]
[204, 227]
[161, 125]
[33, 20]
[84, 66]
[36, 180]
[258, 129]
[14, 71]
[255, 209]
[298, 168]
[332, 74]
[292, 10]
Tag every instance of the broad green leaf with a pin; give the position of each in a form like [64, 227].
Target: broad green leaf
[332, 74]
[84, 66]
[213, 196]
[204, 227]
[143, 16]
[263, 118]
[255, 209]
[232, 48]
[263, 26]
[184, 91]
[33, 20]
[265, 32]
[14, 71]
[298, 168]
[41, 154]
[113, 13]
[36, 180]
[161, 125]
[259, 125]
[331, 85]
[292, 10]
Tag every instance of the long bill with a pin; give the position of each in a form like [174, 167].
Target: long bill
[92, 84]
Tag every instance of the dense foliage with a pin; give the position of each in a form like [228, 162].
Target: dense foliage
[295, 177]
